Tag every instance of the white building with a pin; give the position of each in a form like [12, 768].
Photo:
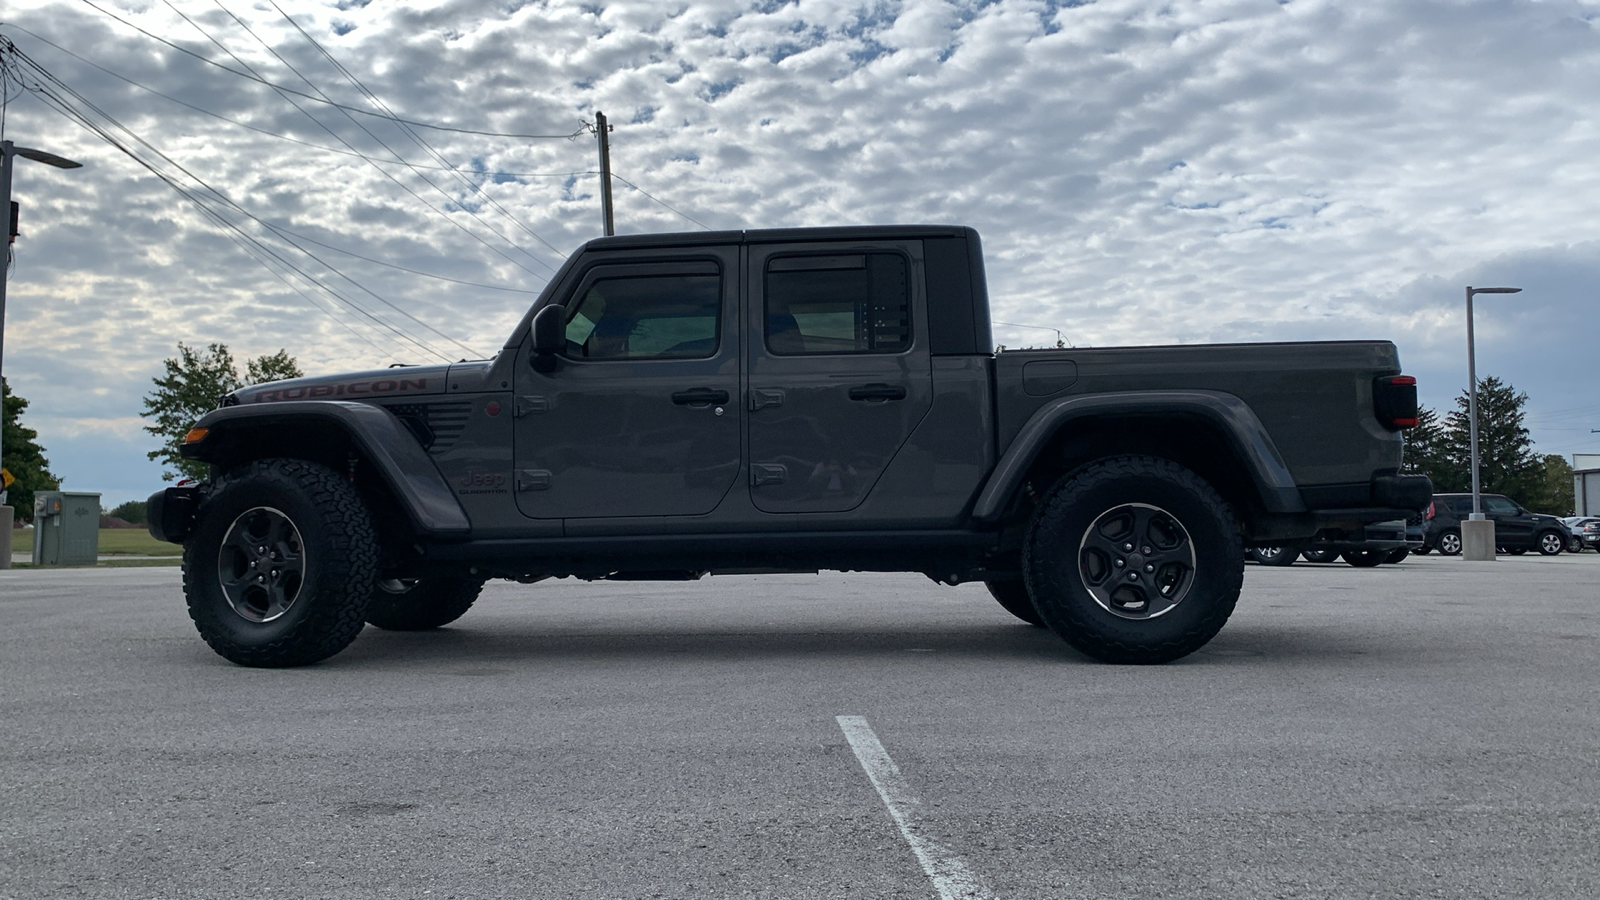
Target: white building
[1586, 484]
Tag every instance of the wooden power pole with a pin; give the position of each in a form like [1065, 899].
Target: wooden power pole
[603, 131]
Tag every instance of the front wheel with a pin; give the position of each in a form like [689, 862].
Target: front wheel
[418, 604]
[1134, 559]
[280, 568]
[1551, 543]
[1013, 596]
[1320, 556]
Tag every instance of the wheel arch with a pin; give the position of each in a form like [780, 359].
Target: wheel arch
[408, 487]
[1222, 441]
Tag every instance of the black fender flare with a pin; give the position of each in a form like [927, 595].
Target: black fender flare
[385, 442]
[1233, 417]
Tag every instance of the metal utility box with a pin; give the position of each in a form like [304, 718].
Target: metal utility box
[66, 528]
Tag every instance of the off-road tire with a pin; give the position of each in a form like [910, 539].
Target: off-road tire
[1274, 556]
[423, 603]
[315, 531]
[1013, 596]
[1364, 559]
[1194, 552]
[1449, 543]
[1550, 543]
[1320, 556]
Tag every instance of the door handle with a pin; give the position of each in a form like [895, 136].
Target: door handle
[878, 392]
[700, 397]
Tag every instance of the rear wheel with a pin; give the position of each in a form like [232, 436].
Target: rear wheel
[1274, 556]
[280, 568]
[1134, 560]
[1013, 595]
[418, 604]
[1449, 543]
[1551, 543]
[1397, 556]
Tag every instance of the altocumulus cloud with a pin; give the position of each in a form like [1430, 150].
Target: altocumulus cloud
[1142, 172]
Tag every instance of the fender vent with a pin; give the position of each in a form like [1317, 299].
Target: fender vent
[436, 425]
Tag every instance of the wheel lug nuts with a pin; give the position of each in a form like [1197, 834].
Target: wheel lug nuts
[1145, 550]
[1120, 563]
[1150, 568]
[1128, 547]
[1133, 576]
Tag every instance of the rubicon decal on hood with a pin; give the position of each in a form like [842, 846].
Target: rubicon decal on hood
[353, 389]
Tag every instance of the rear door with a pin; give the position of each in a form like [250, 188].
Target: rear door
[839, 372]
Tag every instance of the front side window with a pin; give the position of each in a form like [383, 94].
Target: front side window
[646, 317]
[857, 303]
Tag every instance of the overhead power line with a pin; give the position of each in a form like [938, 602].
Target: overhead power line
[212, 203]
[250, 76]
[283, 137]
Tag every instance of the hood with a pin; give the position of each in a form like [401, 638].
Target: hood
[400, 381]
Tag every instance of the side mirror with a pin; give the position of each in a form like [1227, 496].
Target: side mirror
[549, 337]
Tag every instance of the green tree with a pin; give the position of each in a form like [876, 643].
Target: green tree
[1506, 461]
[1424, 455]
[195, 382]
[1552, 494]
[136, 512]
[23, 457]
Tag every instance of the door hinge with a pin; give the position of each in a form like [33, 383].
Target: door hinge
[761, 474]
[763, 397]
[530, 405]
[533, 479]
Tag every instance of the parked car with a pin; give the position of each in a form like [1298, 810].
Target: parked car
[1379, 542]
[1516, 530]
[1585, 532]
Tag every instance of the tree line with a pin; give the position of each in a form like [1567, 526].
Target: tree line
[1507, 464]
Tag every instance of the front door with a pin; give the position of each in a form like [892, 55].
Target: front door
[839, 370]
[640, 416]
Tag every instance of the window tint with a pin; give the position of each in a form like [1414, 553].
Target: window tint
[646, 317]
[838, 304]
[1500, 505]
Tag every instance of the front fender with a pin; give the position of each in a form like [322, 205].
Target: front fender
[236, 432]
[1233, 417]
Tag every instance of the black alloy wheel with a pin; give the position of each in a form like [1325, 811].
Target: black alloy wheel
[1134, 559]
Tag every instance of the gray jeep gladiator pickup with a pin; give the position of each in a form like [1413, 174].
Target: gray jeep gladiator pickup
[677, 405]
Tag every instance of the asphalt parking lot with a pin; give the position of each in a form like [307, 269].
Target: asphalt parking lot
[1421, 730]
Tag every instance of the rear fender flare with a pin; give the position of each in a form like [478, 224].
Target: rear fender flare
[377, 435]
[1232, 416]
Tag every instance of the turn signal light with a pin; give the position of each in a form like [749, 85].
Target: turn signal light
[195, 435]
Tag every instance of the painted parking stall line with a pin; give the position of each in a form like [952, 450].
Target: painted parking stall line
[950, 875]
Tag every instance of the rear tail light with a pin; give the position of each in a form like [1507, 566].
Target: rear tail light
[1430, 511]
[1394, 401]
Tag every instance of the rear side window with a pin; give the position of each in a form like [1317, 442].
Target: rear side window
[646, 317]
[858, 303]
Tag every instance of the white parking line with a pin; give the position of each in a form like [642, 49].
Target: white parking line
[950, 875]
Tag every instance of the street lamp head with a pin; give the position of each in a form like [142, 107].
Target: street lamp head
[1500, 290]
[49, 159]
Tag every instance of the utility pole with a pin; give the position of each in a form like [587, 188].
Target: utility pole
[603, 131]
[7, 151]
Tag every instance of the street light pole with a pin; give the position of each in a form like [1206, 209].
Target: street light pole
[1477, 540]
[7, 151]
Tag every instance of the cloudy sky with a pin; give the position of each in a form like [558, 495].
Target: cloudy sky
[1141, 172]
